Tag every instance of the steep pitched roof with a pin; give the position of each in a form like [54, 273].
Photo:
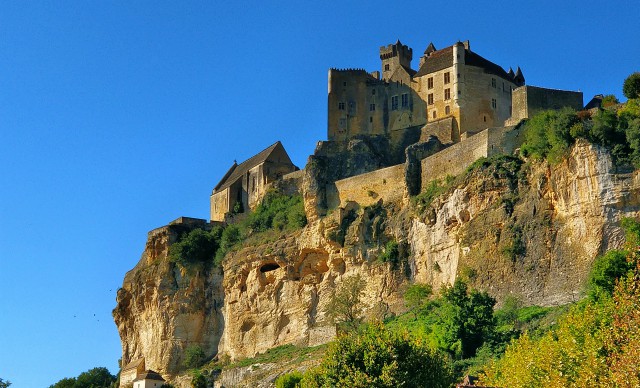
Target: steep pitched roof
[438, 60]
[441, 59]
[473, 59]
[133, 364]
[149, 375]
[238, 170]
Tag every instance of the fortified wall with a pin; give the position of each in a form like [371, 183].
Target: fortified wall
[529, 100]
[367, 189]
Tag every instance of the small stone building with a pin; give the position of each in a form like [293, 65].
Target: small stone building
[245, 183]
[130, 371]
[148, 379]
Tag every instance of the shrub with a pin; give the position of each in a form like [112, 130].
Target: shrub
[417, 296]
[278, 211]
[391, 253]
[197, 246]
[289, 380]
[193, 357]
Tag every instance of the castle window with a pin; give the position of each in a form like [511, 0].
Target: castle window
[352, 108]
[447, 110]
[430, 83]
[341, 105]
[484, 118]
[386, 67]
[405, 100]
[447, 78]
[394, 103]
[344, 84]
[373, 91]
[371, 119]
[447, 94]
[430, 99]
[433, 114]
[494, 103]
[372, 107]
[493, 82]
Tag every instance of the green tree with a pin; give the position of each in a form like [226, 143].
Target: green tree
[416, 297]
[631, 86]
[198, 381]
[345, 307]
[380, 358]
[469, 317]
[4, 384]
[607, 269]
[93, 378]
[194, 356]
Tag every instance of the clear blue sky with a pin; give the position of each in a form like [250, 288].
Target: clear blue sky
[118, 117]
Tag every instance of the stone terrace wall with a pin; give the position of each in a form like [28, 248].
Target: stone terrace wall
[366, 189]
[455, 159]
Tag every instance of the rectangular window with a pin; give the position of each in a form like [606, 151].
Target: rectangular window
[447, 78]
[447, 110]
[430, 83]
[372, 107]
[373, 91]
[493, 82]
[430, 99]
[371, 119]
[494, 103]
[394, 103]
[405, 100]
[447, 94]
[341, 105]
[386, 67]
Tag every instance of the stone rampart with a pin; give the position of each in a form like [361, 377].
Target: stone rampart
[366, 189]
[455, 159]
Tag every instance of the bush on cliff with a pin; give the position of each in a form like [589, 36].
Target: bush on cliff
[197, 246]
[378, 357]
[278, 211]
[631, 86]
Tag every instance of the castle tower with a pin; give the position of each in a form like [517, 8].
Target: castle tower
[518, 78]
[393, 56]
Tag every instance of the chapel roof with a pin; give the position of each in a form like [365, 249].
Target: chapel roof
[149, 375]
[238, 170]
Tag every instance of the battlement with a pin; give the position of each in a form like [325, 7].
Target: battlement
[350, 70]
[396, 49]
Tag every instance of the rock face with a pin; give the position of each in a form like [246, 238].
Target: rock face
[529, 230]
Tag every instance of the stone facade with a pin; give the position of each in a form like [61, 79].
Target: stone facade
[451, 83]
[247, 182]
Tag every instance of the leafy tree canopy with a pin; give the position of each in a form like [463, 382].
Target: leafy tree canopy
[380, 358]
[631, 86]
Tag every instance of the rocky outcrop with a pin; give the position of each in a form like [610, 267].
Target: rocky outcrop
[528, 230]
[163, 309]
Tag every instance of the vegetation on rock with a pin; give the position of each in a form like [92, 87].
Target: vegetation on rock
[631, 86]
[345, 308]
[378, 357]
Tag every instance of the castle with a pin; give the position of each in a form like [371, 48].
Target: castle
[468, 105]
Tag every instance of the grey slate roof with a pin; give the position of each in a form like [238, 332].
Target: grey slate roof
[441, 59]
[238, 170]
[149, 375]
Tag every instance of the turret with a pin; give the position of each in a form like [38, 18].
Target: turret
[518, 78]
[393, 56]
[431, 48]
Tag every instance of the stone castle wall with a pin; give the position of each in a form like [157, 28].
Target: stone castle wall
[367, 189]
[455, 159]
[529, 100]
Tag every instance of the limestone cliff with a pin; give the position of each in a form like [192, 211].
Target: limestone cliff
[525, 229]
